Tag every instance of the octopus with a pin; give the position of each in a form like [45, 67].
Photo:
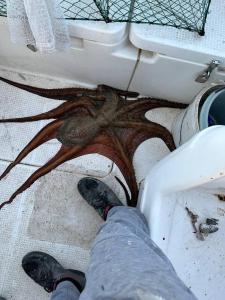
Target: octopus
[105, 120]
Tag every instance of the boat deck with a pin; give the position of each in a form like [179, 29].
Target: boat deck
[51, 216]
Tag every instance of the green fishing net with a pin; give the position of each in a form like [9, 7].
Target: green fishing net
[187, 14]
[3, 8]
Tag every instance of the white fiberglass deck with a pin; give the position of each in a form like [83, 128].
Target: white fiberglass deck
[51, 216]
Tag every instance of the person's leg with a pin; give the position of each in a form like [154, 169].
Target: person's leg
[65, 284]
[65, 290]
[125, 262]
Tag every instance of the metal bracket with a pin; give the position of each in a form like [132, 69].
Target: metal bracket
[204, 76]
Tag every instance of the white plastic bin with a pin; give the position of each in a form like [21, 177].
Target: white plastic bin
[101, 54]
[171, 58]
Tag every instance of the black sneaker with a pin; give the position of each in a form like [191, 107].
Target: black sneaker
[1, 298]
[48, 273]
[98, 195]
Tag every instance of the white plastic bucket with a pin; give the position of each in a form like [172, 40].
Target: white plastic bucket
[207, 109]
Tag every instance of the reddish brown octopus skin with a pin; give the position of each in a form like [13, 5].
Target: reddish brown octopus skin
[99, 121]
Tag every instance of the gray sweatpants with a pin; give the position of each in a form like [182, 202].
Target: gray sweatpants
[126, 264]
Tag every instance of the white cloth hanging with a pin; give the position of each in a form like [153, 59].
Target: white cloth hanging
[38, 23]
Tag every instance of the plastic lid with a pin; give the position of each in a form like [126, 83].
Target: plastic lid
[182, 43]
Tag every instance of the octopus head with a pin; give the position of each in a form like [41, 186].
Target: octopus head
[78, 131]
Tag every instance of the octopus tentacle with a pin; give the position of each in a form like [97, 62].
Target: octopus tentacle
[47, 133]
[128, 199]
[68, 93]
[63, 155]
[101, 88]
[56, 94]
[183, 105]
[124, 163]
[141, 106]
[151, 128]
[106, 144]
[57, 112]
